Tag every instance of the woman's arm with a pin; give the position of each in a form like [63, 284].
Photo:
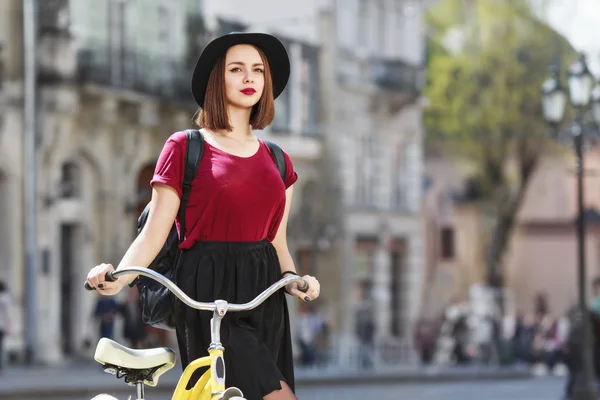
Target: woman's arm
[144, 249]
[285, 258]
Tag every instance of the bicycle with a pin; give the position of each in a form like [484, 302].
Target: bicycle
[144, 367]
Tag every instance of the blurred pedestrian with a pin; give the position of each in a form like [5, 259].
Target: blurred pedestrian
[323, 345]
[134, 329]
[461, 336]
[365, 328]
[309, 326]
[425, 338]
[4, 318]
[105, 312]
[595, 307]
[525, 336]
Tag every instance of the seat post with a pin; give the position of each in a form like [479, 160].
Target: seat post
[139, 386]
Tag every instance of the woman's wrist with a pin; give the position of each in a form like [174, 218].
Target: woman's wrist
[283, 275]
[287, 272]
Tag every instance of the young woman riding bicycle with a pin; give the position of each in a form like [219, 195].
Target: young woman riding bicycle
[235, 244]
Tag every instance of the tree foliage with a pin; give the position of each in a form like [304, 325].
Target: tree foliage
[487, 61]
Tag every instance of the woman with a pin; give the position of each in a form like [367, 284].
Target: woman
[237, 217]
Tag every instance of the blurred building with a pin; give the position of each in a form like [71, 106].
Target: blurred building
[114, 79]
[375, 124]
[369, 82]
[113, 85]
[542, 262]
[455, 236]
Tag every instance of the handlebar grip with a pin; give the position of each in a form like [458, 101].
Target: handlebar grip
[109, 277]
[304, 287]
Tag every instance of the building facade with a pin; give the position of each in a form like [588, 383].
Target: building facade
[114, 85]
[540, 265]
[455, 237]
[370, 76]
[542, 261]
[376, 63]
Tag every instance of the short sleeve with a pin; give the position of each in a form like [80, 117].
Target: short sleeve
[170, 164]
[290, 174]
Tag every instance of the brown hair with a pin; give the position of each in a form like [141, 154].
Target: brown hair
[213, 115]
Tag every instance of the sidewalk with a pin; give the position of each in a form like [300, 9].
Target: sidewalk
[89, 378]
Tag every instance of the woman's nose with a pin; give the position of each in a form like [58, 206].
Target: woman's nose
[248, 78]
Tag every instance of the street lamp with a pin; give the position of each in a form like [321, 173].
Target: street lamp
[581, 82]
[596, 104]
[554, 98]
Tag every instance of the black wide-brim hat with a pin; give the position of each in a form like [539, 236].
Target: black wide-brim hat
[277, 57]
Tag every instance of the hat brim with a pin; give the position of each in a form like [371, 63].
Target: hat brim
[277, 57]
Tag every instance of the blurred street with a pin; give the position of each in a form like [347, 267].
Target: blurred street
[535, 389]
[493, 383]
[487, 389]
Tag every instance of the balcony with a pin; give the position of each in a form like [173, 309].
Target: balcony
[131, 70]
[54, 18]
[398, 76]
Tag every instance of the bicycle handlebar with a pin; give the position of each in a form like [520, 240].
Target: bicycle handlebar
[113, 275]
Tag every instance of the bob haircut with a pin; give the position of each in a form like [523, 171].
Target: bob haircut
[214, 114]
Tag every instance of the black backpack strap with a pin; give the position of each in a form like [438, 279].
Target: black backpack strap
[278, 157]
[193, 155]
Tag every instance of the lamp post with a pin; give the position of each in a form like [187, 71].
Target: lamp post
[30, 94]
[554, 100]
[596, 104]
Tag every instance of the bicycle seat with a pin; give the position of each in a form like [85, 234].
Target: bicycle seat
[148, 364]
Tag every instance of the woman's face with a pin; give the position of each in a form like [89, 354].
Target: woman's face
[244, 76]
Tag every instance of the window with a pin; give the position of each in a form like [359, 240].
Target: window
[70, 181]
[398, 260]
[1, 65]
[367, 171]
[399, 187]
[364, 264]
[362, 19]
[309, 88]
[282, 119]
[164, 26]
[381, 27]
[226, 26]
[54, 16]
[362, 170]
[447, 243]
[304, 261]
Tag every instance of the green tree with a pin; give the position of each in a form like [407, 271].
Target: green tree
[487, 60]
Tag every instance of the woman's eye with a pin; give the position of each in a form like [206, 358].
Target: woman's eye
[236, 69]
[259, 70]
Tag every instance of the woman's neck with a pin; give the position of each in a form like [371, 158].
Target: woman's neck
[239, 119]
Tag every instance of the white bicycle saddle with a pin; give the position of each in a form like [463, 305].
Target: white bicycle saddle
[112, 353]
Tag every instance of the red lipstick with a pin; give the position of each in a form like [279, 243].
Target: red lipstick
[248, 91]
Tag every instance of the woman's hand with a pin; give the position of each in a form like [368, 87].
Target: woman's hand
[314, 288]
[96, 279]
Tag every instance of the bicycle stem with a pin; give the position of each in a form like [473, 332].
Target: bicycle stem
[215, 325]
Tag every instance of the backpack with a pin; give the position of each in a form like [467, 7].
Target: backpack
[156, 300]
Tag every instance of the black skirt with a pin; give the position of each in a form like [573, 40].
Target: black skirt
[258, 344]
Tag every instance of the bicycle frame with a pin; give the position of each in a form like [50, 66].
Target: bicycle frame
[211, 384]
